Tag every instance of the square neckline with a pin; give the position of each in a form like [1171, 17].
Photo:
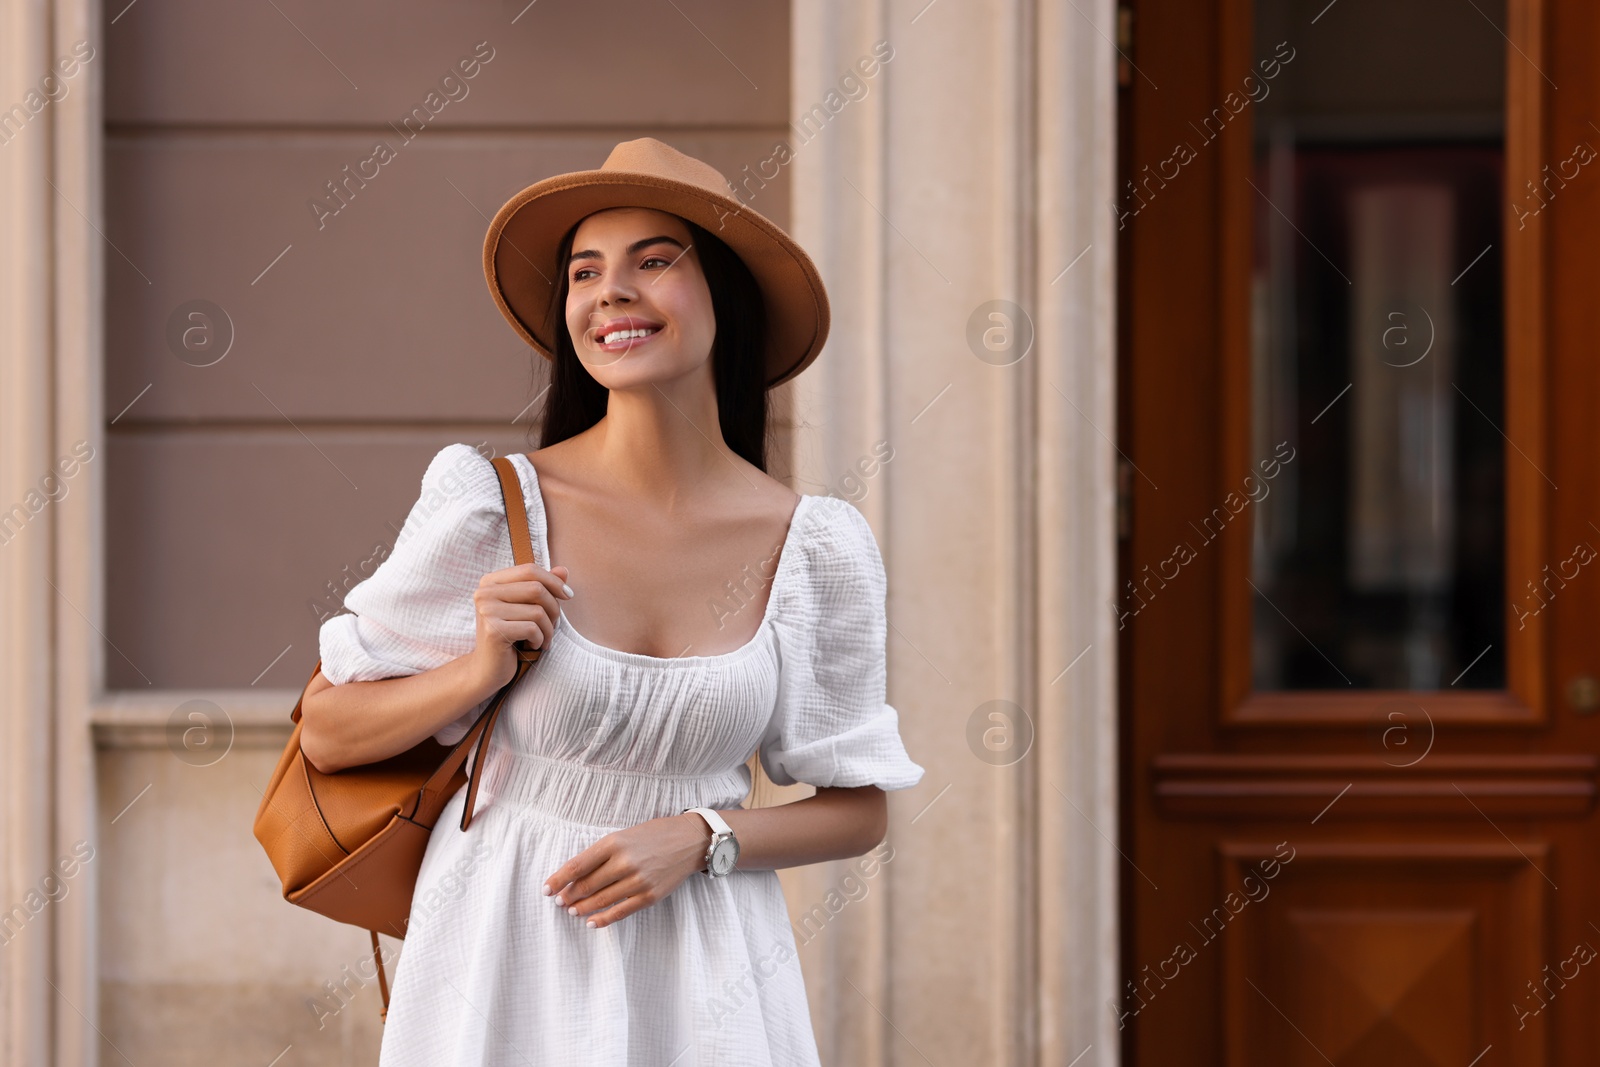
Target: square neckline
[640, 658]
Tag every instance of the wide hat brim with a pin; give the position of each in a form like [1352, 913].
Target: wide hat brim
[519, 252]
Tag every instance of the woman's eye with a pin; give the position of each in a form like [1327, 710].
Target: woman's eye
[579, 275]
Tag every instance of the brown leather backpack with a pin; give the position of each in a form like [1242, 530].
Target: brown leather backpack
[349, 844]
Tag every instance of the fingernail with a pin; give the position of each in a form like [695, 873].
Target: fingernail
[592, 923]
[566, 588]
[548, 890]
[572, 910]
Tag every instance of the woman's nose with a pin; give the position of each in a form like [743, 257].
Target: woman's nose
[616, 291]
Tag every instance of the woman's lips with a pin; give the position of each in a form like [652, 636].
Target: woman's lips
[626, 343]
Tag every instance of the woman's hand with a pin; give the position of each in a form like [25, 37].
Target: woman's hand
[515, 604]
[637, 866]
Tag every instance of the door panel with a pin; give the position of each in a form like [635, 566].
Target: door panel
[1359, 748]
[1376, 954]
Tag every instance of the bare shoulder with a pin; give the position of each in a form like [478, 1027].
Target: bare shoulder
[770, 499]
[559, 466]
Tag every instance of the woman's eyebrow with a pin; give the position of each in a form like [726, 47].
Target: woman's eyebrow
[590, 253]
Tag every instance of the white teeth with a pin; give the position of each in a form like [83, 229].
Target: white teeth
[623, 335]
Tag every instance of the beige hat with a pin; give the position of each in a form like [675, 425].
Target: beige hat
[519, 253]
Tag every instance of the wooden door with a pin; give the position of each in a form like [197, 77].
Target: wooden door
[1359, 610]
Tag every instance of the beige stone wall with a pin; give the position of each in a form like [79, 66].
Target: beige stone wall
[242, 487]
[363, 339]
[185, 557]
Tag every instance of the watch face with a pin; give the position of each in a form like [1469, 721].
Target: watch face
[724, 856]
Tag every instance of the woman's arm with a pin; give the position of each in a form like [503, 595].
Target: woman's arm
[640, 865]
[834, 824]
[363, 722]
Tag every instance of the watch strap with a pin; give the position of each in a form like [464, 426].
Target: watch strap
[718, 824]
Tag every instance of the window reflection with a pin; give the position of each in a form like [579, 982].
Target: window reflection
[1377, 350]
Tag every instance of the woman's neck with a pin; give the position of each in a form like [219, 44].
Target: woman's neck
[655, 446]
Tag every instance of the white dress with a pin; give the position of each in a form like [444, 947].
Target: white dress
[594, 740]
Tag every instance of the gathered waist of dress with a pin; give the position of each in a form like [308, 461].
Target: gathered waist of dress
[601, 797]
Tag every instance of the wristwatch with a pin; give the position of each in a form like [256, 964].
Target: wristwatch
[723, 851]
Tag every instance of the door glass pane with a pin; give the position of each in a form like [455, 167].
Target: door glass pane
[1378, 543]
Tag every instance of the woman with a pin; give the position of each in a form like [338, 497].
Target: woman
[702, 611]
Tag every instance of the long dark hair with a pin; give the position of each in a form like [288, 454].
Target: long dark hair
[575, 401]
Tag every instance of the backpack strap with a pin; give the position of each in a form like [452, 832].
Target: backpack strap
[527, 655]
[522, 553]
[516, 510]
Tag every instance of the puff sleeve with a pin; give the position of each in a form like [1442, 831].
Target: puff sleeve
[415, 612]
[832, 725]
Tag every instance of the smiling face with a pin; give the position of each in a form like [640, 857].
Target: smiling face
[638, 307]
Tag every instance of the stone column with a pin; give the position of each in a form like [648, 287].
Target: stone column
[956, 203]
[50, 651]
[25, 664]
